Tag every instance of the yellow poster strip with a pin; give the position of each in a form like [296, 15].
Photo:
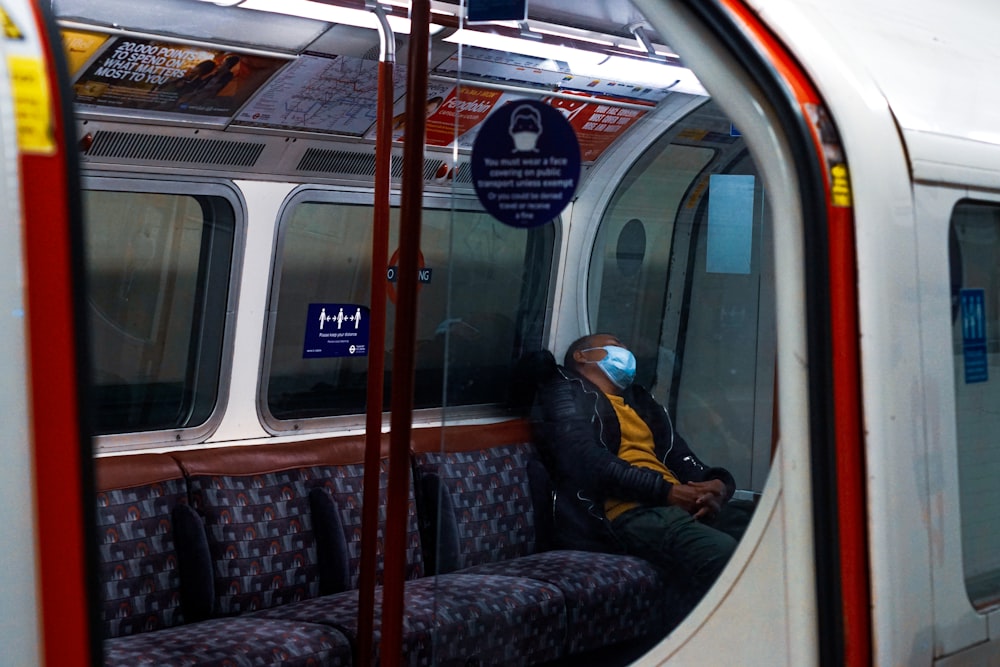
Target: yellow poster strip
[80, 45]
[32, 106]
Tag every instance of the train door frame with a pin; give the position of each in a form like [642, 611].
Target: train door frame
[894, 421]
[730, 37]
[51, 279]
[791, 523]
[19, 574]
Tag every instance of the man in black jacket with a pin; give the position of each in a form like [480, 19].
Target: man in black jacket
[624, 479]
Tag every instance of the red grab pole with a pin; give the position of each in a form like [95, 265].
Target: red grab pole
[405, 331]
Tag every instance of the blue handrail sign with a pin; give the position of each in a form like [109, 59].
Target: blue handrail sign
[974, 335]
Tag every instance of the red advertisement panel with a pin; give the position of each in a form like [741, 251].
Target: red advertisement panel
[597, 125]
[460, 111]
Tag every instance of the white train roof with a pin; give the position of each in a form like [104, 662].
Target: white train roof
[934, 62]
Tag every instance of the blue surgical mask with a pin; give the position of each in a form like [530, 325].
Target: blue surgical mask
[618, 365]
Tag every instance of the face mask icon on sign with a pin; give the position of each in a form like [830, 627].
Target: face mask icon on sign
[525, 128]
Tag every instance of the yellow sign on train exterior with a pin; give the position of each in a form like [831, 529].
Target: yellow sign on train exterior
[32, 106]
[10, 29]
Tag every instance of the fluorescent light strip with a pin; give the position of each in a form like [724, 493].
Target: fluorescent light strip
[488, 40]
[625, 46]
[580, 61]
[440, 8]
[632, 71]
[328, 13]
[577, 36]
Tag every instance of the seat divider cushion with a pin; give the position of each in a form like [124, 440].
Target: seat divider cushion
[331, 543]
[194, 562]
[543, 499]
[439, 527]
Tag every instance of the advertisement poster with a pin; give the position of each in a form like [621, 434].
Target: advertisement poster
[454, 115]
[80, 46]
[152, 75]
[597, 125]
[463, 109]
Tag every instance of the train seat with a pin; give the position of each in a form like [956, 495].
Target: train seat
[150, 571]
[283, 524]
[137, 557]
[240, 640]
[485, 497]
[457, 619]
[255, 503]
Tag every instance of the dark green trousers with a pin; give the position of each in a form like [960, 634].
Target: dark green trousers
[691, 553]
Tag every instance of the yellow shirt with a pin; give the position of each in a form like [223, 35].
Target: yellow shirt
[637, 448]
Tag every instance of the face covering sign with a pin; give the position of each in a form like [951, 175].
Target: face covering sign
[525, 163]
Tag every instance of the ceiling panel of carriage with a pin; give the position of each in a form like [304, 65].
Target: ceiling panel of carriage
[196, 64]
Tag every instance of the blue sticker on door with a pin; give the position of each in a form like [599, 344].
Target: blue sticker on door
[974, 335]
[336, 330]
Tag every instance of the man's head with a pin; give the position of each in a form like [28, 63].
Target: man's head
[602, 359]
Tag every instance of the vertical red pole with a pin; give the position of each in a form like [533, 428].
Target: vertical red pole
[405, 330]
[376, 347]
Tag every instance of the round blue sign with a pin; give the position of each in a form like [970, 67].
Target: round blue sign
[525, 163]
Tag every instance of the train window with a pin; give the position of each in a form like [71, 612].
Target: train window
[975, 263]
[481, 303]
[158, 267]
[681, 271]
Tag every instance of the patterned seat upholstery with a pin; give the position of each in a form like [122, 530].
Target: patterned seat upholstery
[457, 619]
[255, 502]
[487, 527]
[140, 567]
[451, 619]
[251, 556]
[137, 559]
[242, 641]
[610, 598]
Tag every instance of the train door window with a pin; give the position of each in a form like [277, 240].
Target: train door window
[693, 296]
[481, 302]
[158, 270]
[975, 276]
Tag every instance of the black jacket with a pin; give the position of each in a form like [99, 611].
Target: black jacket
[579, 435]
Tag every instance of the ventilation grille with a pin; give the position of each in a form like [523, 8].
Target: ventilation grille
[357, 164]
[464, 173]
[337, 162]
[135, 146]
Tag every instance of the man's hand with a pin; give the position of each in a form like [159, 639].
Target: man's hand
[712, 499]
[713, 486]
[703, 500]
